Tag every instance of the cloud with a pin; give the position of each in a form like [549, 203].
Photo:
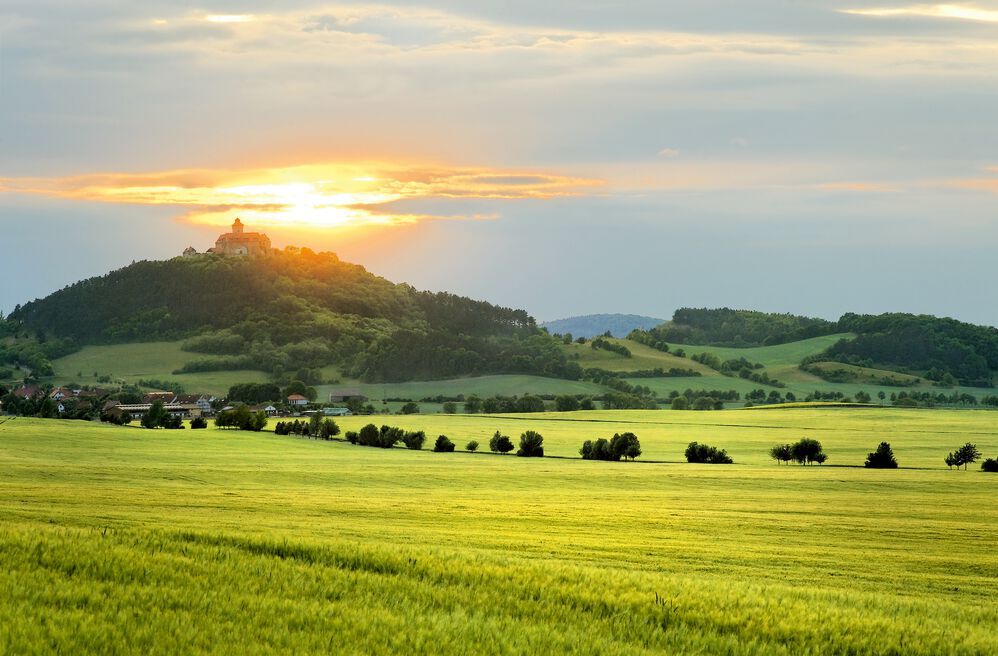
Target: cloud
[319, 195]
[669, 153]
[739, 142]
[946, 11]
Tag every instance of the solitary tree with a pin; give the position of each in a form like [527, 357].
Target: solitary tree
[414, 440]
[531, 445]
[450, 407]
[473, 405]
[882, 458]
[410, 408]
[471, 446]
[625, 445]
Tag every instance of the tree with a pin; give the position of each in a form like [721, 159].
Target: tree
[965, 455]
[450, 407]
[990, 465]
[862, 397]
[414, 440]
[680, 403]
[587, 404]
[473, 405]
[410, 408]
[781, 453]
[566, 403]
[471, 446]
[706, 454]
[198, 422]
[368, 435]
[625, 445]
[299, 387]
[329, 429]
[881, 395]
[500, 443]
[443, 445]
[882, 458]
[155, 416]
[807, 450]
[531, 445]
[530, 403]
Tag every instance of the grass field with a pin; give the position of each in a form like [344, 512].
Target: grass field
[119, 540]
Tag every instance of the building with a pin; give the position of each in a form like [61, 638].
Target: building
[297, 400]
[241, 243]
[336, 412]
[190, 251]
[345, 395]
[136, 410]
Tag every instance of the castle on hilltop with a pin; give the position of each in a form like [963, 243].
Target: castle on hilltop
[237, 243]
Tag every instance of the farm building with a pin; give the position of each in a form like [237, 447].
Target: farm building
[345, 394]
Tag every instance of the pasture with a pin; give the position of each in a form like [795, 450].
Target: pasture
[122, 540]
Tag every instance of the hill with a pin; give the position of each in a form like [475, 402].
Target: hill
[286, 313]
[592, 325]
[941, 350]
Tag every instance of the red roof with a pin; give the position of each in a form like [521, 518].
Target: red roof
[297, 397]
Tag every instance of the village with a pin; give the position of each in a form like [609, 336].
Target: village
[123, 406]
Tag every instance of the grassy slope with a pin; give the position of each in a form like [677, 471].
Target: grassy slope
[240, 542]
[506, 385]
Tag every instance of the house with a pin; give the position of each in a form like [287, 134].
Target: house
[346, 394]
[136, 410]
[297, 400]
[60, 393]
[28, 392]
[267, 408]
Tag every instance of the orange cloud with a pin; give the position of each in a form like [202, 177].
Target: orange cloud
[318, 196]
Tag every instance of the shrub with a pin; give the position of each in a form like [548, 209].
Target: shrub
[414, 440]
[500, 443]
[566, 403]
[328, 429]
[531, 445]
[410, 408]
[352, 437]
[703, 453]
[705, 403]
[990, 465]
[471, 446]
[450, 407]
[199, 422]
[368, 436]
[443, 445]
[680, 403]
[882, 458]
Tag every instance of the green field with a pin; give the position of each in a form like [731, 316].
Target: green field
[120, 540]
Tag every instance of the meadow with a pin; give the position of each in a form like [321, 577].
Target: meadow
[122, 540]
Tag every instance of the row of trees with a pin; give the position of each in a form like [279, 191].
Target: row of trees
[805, 451]
[621, 445]
[316, 427]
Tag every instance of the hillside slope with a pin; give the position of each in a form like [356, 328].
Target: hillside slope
[283, 313]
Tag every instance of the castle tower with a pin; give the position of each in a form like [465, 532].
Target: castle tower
[237, 227]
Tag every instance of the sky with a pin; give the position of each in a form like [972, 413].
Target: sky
[566, 157]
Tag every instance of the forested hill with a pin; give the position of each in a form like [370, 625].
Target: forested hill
[942, 350]
[291, 310]
[594, 325]
[726, 327]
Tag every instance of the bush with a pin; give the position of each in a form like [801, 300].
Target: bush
[414, 440]
[703, 453]
[450, 407]
[199, 422]
[443, 445]
[705, 403]
[625, 445]
[471, 446]
[352, 437]
[680, 403]
[882, 458]
[990, 465]
[500, 443]
[531, 445]
[566, 403]
[410, 408]
[368, 436]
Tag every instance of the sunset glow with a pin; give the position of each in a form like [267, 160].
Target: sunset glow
[315, 196]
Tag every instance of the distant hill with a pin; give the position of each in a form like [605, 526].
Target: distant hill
[591, 325]
[942, 350]
[285, 313]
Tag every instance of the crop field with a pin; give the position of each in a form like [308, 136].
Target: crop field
[121, 540]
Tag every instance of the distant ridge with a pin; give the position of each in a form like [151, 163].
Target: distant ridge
[591, 325]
